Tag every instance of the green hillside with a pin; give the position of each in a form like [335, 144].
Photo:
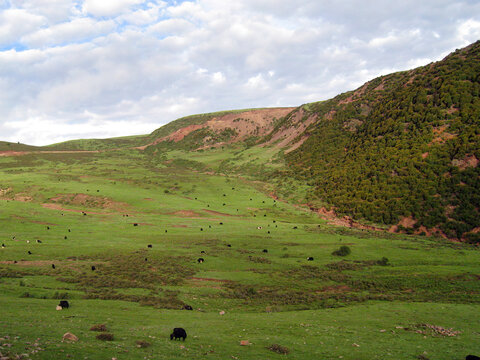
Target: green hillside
[402, 145]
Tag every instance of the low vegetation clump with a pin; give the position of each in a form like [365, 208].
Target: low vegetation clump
[279, 349]
[99, 327]
[342, 251]
[105, 336]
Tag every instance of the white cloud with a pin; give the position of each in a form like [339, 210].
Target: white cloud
[68, 32]
[94, 62]
[17, 22]
[108, 7]
[469, 31]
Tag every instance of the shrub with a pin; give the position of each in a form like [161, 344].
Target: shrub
[105, 337]
[279, 349]
[343, 251]
[99, 327]
[383, 261]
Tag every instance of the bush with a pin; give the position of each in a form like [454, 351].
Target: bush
[99, 327]
[105, 337]
[343, 251]
[383, 261]
[279, 349]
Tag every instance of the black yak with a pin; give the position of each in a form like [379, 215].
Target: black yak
[178, 333]
[64, 304]
[200, 260]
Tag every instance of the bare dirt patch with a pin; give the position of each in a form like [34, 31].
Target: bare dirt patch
[249, 123]
[32, 221]
[216, 212]
[345, 221]
[186, 213]
[59, 207]
[89, 201]
[292, 129]
[466, 162]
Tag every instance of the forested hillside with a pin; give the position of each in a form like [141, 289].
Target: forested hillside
[402, 149]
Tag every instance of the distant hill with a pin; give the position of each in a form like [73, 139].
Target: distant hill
[403, 149]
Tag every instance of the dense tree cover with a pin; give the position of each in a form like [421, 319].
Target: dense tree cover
[406, 144]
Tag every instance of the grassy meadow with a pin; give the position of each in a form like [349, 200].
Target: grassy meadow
[144, 219]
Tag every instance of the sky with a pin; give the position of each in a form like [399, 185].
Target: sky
[72, 69]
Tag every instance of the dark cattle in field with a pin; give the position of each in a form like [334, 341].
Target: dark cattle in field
[209, 226]
[202, 252]
[221, 223]
[265, 250]
[310, 258]
[65, 237]
[472, 357]
[187, 307]
[68, 230]
[53, 266]
[201, 229]
[84, 213]
[229, 245]
[29, 252]
[135, 224]
[149, 246]
[39, 241]
[48, 227]
[295, 227]
[166, 231]
[93, 268]
[178, 333]
[3, 245]
[64, 304]
[268, 232]
[200, 260]
[146, 259]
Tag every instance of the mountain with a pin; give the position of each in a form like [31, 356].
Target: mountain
[402, 150]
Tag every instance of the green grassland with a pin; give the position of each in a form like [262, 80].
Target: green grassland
[217, 204]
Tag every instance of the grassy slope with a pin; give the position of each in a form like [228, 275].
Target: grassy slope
[315, 309]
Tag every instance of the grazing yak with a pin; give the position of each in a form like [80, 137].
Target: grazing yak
[53, 266]
[64, 304]
[265, 250]
[187, 307]
[39, 241]
[310, 258]
[3, 246]
[178, 333]
[29, 252]
[472, 357]
[93, 268]
[200, 260]
[135, 224]
[149, 246]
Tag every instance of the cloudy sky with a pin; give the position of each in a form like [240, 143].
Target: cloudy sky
[74, 69]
